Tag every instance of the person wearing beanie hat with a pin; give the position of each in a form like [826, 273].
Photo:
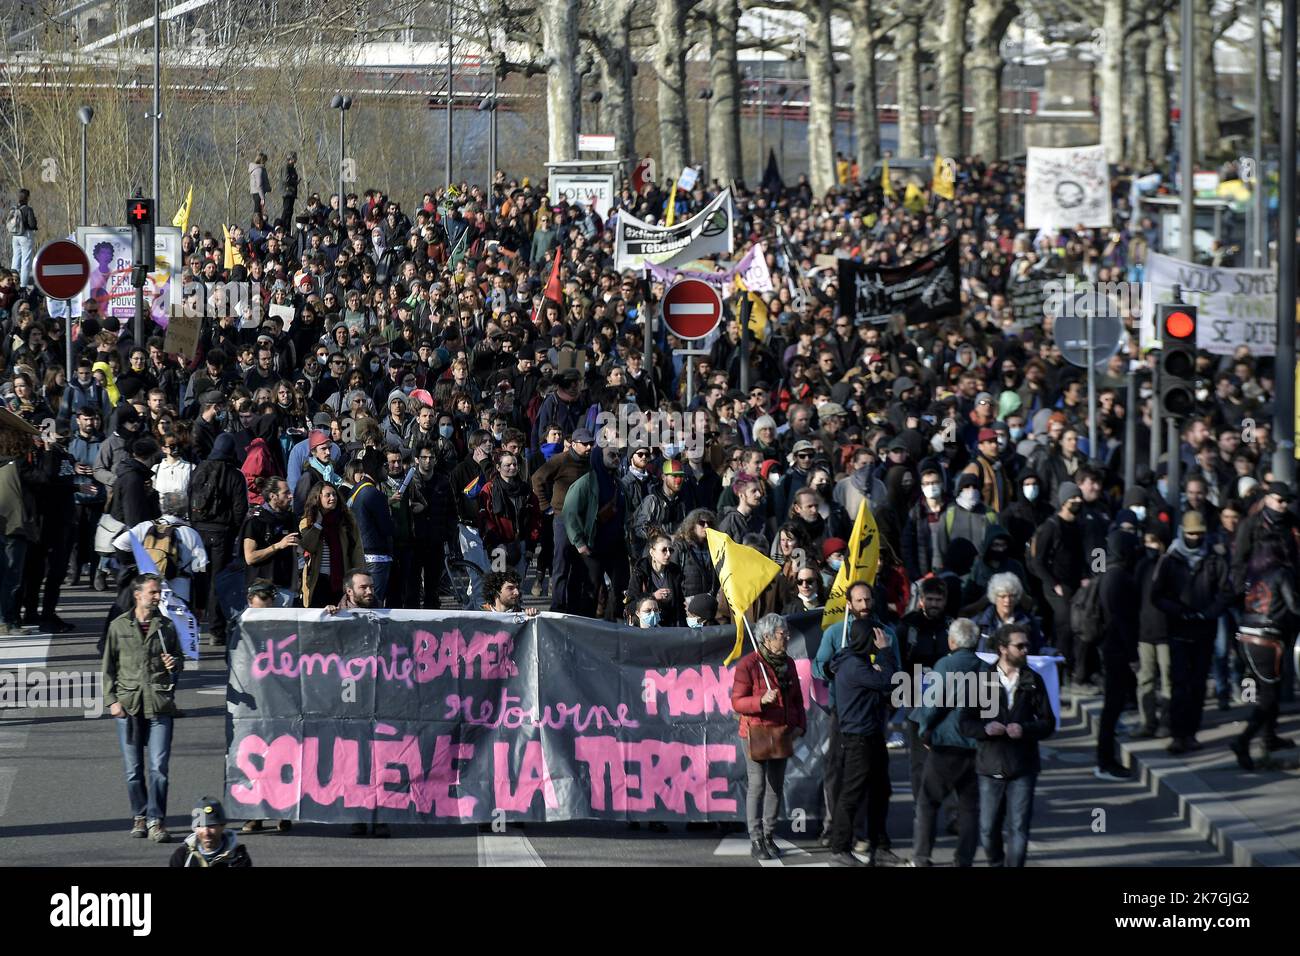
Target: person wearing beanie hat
[1057, 558]
[1192, 588]
[211, 844]
[701, 610]
[987, 466]
[968, 518]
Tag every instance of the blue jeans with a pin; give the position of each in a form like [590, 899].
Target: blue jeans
[21, 259]
[379, 572]
[13, 555]
[1227, 664]
[474, 554]
[150, 802]
[1009, 803]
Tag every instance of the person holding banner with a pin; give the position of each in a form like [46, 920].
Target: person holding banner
[142, 660]
[766, 694]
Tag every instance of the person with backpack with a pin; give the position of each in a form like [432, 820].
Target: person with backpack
[968, 517]
[218, 504]
[176, 549]
[1056, 558]
[20, 223]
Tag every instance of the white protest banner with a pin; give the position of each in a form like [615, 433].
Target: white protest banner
[284, 312]
[172, 606]
[753, 270]
[1067, 187]
[707, 233]
[1236, 306]
[688, 178]
[592, 191]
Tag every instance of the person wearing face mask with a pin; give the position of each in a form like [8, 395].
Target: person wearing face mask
[593, 524]
[995, 558]
[921, 520]
[1274, 518]
[644, 614]
[809, 594]
[1057, 559]
[968, 518]
[1192, 588]
[701, 611]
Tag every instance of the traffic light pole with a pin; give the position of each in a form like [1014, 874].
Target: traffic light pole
[1284, 397]
[1173, 477]
[1092, 391]
[1130, 432]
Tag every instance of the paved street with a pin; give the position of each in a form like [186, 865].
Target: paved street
[62, 799]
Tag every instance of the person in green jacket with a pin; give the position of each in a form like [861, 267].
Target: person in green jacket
[594, 518]
[142, 661]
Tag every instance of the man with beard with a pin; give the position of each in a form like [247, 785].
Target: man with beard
[664, 508]
[468, 479]
[268, 537]
[594, 517]
[562, 407]
[501, 588]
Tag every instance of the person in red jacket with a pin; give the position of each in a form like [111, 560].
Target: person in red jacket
[767, 696]
[510, 517]
[264, 458]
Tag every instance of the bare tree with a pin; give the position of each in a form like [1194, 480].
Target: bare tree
[1157, 104]
[563, 90]
[862, 62]
[609, 29]
[951, 54]
[670, 65]
[724, 107]
[821, 97]
[1112, 79]
[907, 61]
[989, 22]
[1137, 138]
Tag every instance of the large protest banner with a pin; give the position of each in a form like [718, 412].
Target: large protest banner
[109, 249]
[1066, 187]
[707, 233]
[426, 716]
[1237, 306]
[927, 288]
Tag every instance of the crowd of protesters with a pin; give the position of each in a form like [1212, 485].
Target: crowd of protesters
[466, 379]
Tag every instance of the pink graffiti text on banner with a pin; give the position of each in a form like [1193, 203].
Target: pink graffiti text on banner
[691, 692]
[506, 712]
[533, 776]
[667, 771]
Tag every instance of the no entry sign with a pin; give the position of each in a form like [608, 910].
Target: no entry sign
[61, 269]
[692, 309]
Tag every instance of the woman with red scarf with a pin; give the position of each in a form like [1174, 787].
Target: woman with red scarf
[331, 546]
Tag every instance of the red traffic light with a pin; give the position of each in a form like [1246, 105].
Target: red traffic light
[1180, 324]
[139, 212]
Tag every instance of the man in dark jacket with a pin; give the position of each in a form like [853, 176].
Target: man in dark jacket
[218, 505]
[133, 496]
[211, 844]
[562, 407]
[1273, 518]
[949, 766]
[433, 509]
[922, 642]
[1121, 604]
[1057, 559]
[1153, 638]
[370, 508]
[664, 508]
[1006, 754]
[863, 674]
[1192, 588]
[551, 484]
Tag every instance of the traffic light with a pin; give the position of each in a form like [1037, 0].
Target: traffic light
[1177, 324]
[139, 215]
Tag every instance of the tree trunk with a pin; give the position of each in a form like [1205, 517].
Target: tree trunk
[862, 59]
[1112, 80]
[989, 22]
[1207, 100]
[952, 50]
[618, 114]
[821, 98]
[670, 65]
[907, 81]
[1137, 134]
[563, 90]
[724, 109]
[1157, 94]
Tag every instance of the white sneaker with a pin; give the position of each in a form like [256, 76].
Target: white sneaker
[896, 741]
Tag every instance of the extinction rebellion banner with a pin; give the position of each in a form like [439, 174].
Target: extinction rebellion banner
[707, 233]
[410, 717]
[928, 288]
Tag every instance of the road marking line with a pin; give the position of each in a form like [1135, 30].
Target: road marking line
[32, 651]
[506, 849]
[7, 777]
[739, 845]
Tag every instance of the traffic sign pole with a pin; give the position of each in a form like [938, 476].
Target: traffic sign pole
[1092, 390]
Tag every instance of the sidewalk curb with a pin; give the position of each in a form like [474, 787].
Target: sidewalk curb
[1208, 814]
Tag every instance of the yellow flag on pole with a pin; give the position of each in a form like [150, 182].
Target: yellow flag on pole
[943, 182]
[758, 315]
[233, 257]
[743, 573]
[860, 564]
[672, 206]
[886, 185]
[182, 218]
[914, 199]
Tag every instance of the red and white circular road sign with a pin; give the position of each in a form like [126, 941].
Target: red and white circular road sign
[692, 309]
[61, 269]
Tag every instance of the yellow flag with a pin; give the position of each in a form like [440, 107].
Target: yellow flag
[758, 315]
[943, 182]
[182, 218]
[914, 199]
[860, 564]
[233, 257]
[886, 184]
[743, 572]
[672, 205]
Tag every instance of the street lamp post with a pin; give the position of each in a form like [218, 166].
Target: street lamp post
[85, 114]
[780, 92]
[706, 95]
[849, 87]
[342, 104]
[450, 90]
